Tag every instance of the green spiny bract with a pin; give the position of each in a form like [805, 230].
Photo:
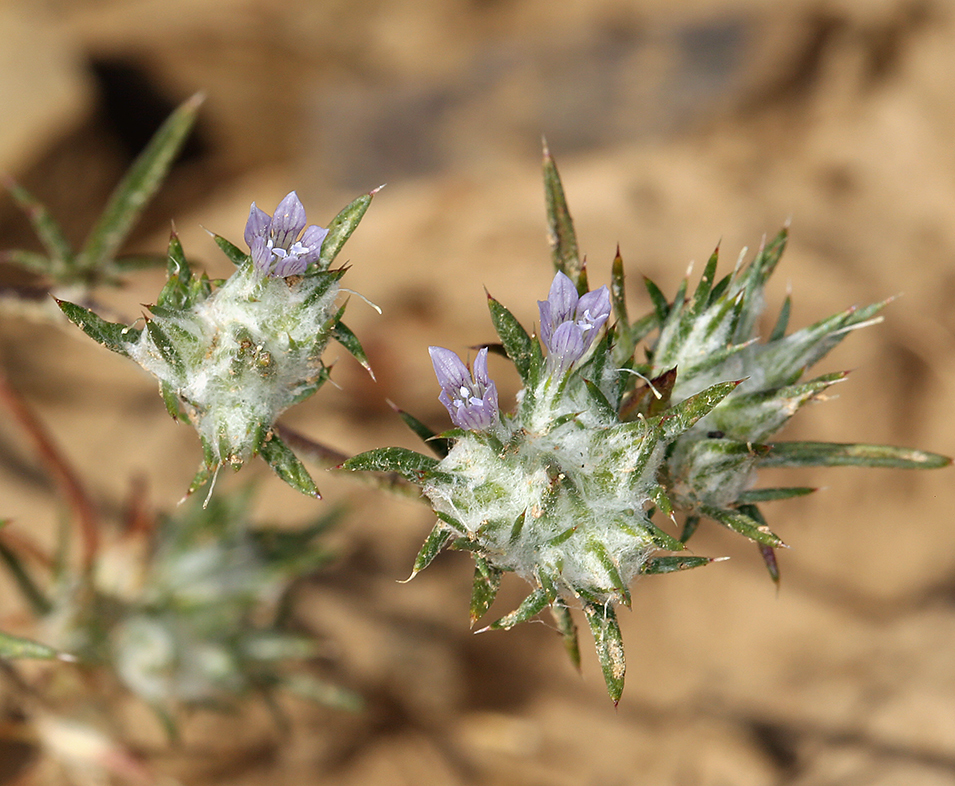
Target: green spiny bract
[231, 356]
[561, 491]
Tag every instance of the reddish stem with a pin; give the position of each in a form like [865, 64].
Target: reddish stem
[59, 469]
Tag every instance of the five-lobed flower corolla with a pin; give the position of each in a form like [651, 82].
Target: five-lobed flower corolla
[277, 250]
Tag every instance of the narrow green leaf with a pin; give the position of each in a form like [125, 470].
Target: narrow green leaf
[138, 186]
[410, 465]
[674, 564]
[689, 527]
[563, 238]
[531, 606]
[662, 539]
[601, 406]
[321, 692]
[32, 261]
[30, 590]
[432, 546]
[171, 400]
[678, 419]
[236, 255]
[344, 336]
[487, 581]
[806, 347]
[768, 553]
[719, 289]
[609, 642]
[782, 322]
[754, 279]
[287, 466]
[745, 525]
[769, 495]
[568, 630]
[618, 294]
[701, 297]
[518, 527]
[166, 348]
[659, 496]
[341, 228]
[310, 386]
[45, 226]
[833, 454]
[15, 648]
[439, 445]
[640, 329]
[110, 335]
[660, 303]
[523, 351]
[177, 293]
[598, 549]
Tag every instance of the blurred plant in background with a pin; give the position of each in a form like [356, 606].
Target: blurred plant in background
[193, 610]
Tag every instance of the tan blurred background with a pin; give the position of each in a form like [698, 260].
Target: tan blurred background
[676, 125]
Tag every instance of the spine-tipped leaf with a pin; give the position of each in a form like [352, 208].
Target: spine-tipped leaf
[17, 648]
[523, 351]
[563, 238]
[487, 581]
[833, 454]
[609, 642]
[138, 186]
[341, 228]
[110, 335]
[410, 465]
[287, 466]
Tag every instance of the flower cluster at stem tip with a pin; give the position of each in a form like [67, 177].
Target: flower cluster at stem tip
[569, 325]
[569, 322]
[471, 401]
[277, 249]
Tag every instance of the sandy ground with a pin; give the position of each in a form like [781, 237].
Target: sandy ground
[676, 126]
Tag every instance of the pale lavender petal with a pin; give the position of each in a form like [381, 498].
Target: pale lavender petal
[594, 308]
[261, 255]
[450, 370]
[559, 306]
[562, 298]
[547, 321]
[257, 225]
[480, 369]
[490, 401]
[290, 265]
[567, 347]
[288, 221]
[311, 241]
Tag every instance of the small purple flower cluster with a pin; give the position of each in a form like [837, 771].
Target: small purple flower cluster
[277, 250]
[471, 402]
[569, 323]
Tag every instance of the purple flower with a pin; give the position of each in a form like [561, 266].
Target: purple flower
[570, 323]
[277, 250]
[472, 403]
